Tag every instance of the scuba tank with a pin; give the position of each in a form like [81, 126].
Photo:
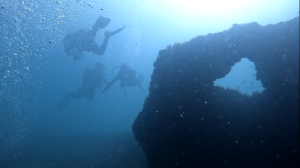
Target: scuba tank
[139, 77]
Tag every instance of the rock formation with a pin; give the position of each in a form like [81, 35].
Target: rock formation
[188, 122]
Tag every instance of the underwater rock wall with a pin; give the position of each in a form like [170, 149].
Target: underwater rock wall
[186, 121]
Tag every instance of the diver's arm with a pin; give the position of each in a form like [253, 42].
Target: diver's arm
[111, 83]
[105, 81]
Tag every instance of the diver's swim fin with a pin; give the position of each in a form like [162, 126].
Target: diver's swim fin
[100, 23]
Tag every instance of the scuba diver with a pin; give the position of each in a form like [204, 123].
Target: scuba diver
[92, 79]
[127, 77]
[83, 40]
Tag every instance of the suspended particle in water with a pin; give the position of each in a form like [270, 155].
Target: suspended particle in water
[90, 5]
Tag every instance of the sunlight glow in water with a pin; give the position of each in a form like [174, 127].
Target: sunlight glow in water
[196, 6]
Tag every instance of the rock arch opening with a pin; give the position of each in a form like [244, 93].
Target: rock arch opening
[242, 78]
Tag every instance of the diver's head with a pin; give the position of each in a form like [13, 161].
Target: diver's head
[124, 65]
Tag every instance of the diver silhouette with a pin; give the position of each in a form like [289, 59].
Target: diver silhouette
[127, 77]
[92, 79]
[83, 40]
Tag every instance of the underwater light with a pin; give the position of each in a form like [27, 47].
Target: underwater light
[204, 6]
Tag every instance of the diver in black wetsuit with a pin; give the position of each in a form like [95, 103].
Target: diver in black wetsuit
[92, 79]
[127, 77]
[83, 40]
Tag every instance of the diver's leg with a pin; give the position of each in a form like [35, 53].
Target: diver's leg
[122, 84]
[99, 50]
[109, 33]
[90, 93]
[79, 94]
[139, 85]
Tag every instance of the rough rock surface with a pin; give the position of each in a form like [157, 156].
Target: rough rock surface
[188, 122]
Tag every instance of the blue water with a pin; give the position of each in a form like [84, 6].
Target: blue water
[36, 73]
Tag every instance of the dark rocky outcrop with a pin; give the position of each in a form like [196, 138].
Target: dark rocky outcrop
[188, 122]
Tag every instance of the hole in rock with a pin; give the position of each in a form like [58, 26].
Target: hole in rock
[242, 78]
